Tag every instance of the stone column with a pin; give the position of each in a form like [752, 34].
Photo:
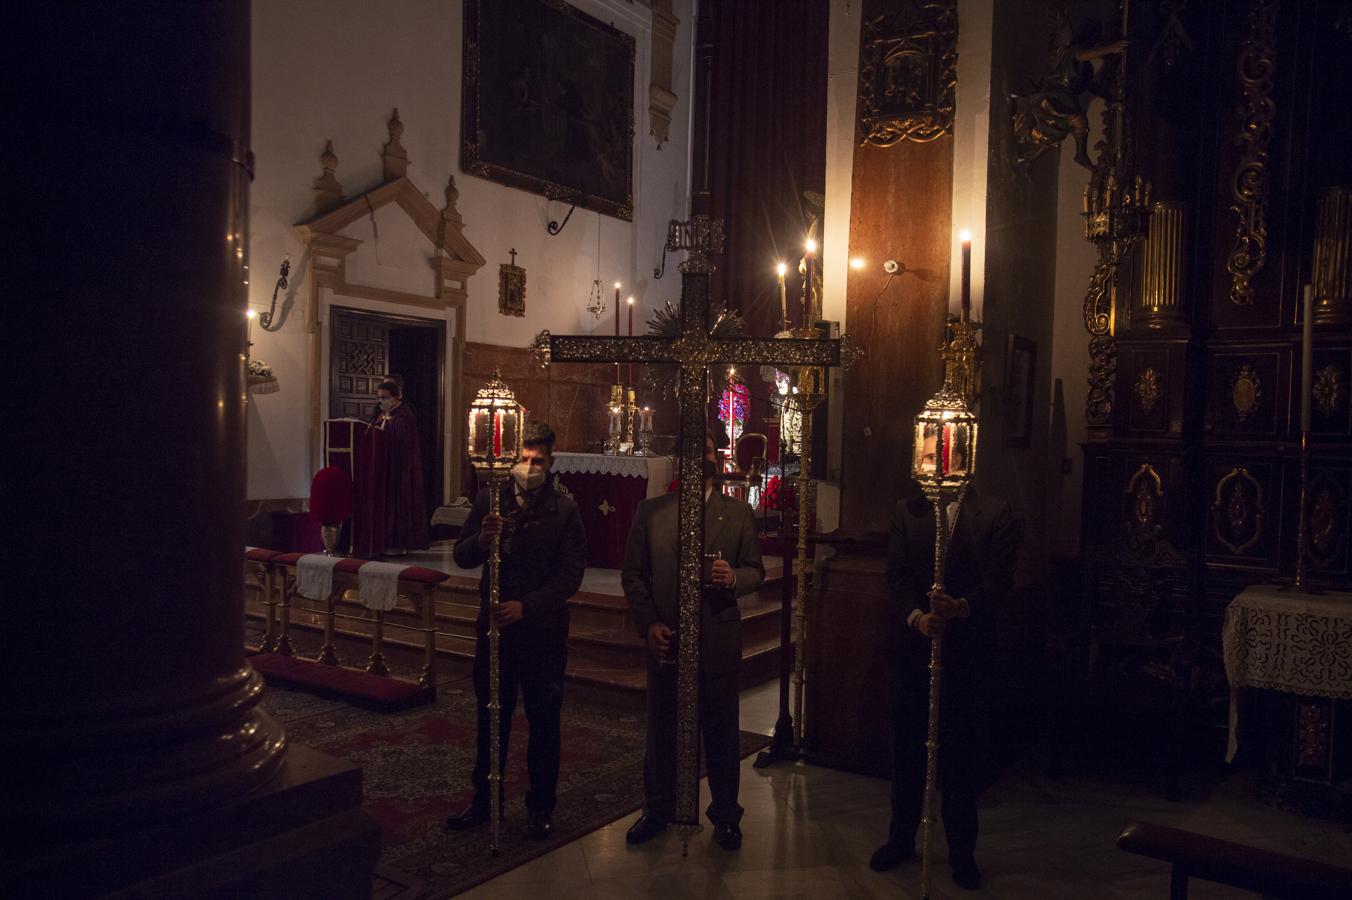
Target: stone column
[129, 707]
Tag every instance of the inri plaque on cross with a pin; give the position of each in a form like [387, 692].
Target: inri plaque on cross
[693, 350]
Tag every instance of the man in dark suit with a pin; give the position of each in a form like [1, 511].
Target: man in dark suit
[652, 587]
[544, 554]
[982, 552]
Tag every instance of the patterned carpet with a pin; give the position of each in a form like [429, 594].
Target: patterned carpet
[416, 766]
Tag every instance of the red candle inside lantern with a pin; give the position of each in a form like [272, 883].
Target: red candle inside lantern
[497, 434]
[948, 450]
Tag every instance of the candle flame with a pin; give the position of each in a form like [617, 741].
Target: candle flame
[251, 315]
[857, 263]
[630, 301]
[811, 245]
[781, 269]
[965, 236]
[617, 285]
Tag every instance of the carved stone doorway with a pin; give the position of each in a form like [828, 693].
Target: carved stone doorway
[365, 347]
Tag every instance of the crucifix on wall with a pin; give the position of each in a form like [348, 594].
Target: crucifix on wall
[511, 288]
[694, 350]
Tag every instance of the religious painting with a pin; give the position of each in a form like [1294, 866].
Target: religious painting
[1020, 375]
[548, 103]
[511, 288]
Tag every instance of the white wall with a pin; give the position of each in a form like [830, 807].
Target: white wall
[335, 69]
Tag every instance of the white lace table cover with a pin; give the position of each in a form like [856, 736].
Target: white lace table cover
[1286, 640]
[657, 469]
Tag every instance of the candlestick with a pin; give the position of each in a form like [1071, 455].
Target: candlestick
[966, 238]
[781, 269]
[1306, 357]
[617, 309]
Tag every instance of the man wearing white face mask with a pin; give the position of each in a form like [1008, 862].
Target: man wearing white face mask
[544, 553]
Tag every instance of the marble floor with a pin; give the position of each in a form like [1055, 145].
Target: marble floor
[809, 831]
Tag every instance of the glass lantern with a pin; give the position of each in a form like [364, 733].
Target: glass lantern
[495, 426]
[944, 455]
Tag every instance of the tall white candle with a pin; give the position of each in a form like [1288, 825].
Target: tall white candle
[1306, 357]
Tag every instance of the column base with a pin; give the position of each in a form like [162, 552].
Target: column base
[301, 835]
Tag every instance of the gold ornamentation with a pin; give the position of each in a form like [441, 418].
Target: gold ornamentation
[1162, 263]
[1146, 490]
[1242, 514]
[962, 357]
[1250, 184]
[1332, 267]
[1312, 733]
[1102, 375]
[1246, 392]
[605, 508]
[511, 288]
[1323, 523]
[1147, 389]
[1329, 390]
[908, 73]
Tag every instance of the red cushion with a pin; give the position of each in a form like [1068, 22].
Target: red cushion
[288, 559]
[258, 554]
[352, 684]
[423, 576]
[349, 566]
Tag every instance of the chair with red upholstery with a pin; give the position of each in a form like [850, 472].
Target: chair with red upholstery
[750, 459]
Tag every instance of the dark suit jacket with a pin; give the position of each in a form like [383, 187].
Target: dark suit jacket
[982, 554]
[544, 554]
[652, 586]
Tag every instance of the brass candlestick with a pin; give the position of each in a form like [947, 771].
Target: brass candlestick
[811, 384]
[1301, 531]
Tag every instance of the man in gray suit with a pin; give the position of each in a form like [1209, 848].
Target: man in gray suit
[652, 587]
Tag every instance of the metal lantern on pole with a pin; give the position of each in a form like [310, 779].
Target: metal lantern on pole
[943, 462]
[494, 445]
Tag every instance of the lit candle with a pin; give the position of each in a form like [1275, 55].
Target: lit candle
[248, 328]
[966, 238]
[617, 326]
[809, 305]
[1306, 358]
[497, 434]
[781, 269]
[631, 334]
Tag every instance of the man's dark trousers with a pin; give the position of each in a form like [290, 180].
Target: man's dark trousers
[532, 659]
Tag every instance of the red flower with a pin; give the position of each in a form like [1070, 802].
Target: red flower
[330, 496]
[778, 495]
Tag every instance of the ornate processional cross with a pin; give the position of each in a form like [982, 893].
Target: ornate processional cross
[693, 350]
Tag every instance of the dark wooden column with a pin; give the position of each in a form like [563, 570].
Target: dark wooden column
[131, 719]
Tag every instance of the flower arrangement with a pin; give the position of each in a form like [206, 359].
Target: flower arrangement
[259, 369]
[778, 494]
[733, 401]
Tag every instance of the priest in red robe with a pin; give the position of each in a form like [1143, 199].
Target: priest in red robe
[405, 504]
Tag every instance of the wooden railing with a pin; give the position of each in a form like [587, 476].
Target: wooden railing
[1274, 875]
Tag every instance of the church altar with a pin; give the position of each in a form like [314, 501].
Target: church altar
[1293, 642]
[608, 490]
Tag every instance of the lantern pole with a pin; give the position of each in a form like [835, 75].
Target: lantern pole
[493, 441]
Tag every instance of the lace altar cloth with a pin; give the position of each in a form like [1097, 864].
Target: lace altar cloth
[657, 469]
[1287, 640]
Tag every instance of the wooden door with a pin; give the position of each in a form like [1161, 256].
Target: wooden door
[358, 361]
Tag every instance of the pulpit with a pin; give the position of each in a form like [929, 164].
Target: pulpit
[358, 448]
[608, 490]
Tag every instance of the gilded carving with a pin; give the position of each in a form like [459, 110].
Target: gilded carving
[1246, 392]
[1312, 734]
[1147, 389]
[1102, 375]
[1329, 390]
[1323, 521]
[908, 73]
[1250, 183]
[1331, 270]
[1146, 490]
[1238, 506]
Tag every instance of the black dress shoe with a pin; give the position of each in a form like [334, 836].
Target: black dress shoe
[890, 855]
[475, 814]
[538, 825]
[727, 836]
[646, 828]
[966, 874]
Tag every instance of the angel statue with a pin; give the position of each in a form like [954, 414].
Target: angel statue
[1054, 110]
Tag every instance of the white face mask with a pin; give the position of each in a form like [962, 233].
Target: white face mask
[528, 477]
[386, 404]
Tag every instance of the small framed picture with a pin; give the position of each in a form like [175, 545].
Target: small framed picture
[511, 290]
[1020, 374]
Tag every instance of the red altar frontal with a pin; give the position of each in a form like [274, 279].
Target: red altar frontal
[608, 490]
